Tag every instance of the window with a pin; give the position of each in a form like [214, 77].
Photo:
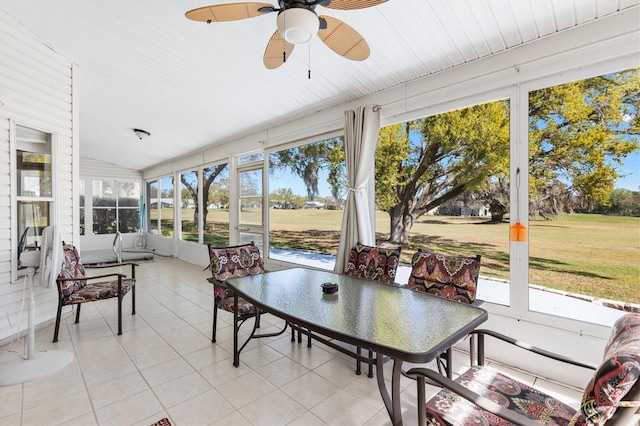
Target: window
[160, 195]
[152, 199]
[189, 206]
[307, 186]
[104, 207]
[34, 183]
[584, 183]
[215, 199]
[442, 184]
[115, 206]
[128, 206]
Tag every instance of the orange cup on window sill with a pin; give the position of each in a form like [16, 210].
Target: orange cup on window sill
[518, 232]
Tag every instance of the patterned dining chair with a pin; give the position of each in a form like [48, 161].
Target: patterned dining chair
[373, 263]
[234, 262]
[76, 288]
[449, 276]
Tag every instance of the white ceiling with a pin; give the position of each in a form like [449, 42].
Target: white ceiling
[142, 64]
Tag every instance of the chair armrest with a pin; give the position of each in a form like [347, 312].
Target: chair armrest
[479, 400]
[217, 282]
[523, 345]
[61, 280]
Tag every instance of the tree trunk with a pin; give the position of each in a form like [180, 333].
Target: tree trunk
[401, 223]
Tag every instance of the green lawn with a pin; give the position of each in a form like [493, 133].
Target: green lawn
[595, 255]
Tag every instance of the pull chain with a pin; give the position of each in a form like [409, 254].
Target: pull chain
[309, 63]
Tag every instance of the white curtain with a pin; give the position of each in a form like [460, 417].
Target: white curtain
[361, 128]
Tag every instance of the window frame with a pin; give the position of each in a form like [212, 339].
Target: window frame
[15, 198]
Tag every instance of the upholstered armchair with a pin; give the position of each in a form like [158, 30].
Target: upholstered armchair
[76, 288]
[482, 395]
[373, 263]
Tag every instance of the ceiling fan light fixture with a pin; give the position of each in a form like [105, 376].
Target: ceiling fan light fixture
[141, 134]
[298, 25]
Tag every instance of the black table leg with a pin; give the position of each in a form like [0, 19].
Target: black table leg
[236, 354]
[392, 403]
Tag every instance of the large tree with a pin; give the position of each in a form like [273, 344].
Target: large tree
[191, 187]
[306, 161]
[424, 163]
[578, 134]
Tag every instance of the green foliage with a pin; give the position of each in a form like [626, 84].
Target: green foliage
[578, 133]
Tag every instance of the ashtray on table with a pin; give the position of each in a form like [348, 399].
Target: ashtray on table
[329, 288]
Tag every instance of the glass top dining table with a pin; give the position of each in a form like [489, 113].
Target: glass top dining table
[393, 321]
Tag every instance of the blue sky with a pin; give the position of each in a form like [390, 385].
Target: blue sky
[281, 179]
[631, 168]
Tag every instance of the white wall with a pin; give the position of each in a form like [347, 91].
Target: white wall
[36, 88]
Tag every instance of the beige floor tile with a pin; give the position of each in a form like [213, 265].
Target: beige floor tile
[117, 390]
[307, 419]
[166, 371]
[11, 420]
[245, 389]
[339, 371]
[53, 409]
[222, 372]
[312, 357]
[207, 356]
[233, 419]
[130, 410]
[154, 356]
[259, 356]
[201, 409]
[282, 371]
[310, 389]
[135, 344]
[181, 389]
[11, 397]
[174, 335]
[342, 408]
[50, 389]
[88, 419]
[155, 418]
[275, 408]
[191, 344]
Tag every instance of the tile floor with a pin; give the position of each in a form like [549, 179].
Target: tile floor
[164, 365]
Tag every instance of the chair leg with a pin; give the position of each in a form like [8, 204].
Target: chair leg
[370, 374]
[215, 320]
[119, 315]
[133, 300]
[57, 326]
[78, 306]
[358, 370]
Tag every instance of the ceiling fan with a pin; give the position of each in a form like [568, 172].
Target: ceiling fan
[297, 22]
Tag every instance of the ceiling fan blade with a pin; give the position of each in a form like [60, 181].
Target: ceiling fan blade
[228, 12]
[277, 51]
[353, 4]
[343, 39]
